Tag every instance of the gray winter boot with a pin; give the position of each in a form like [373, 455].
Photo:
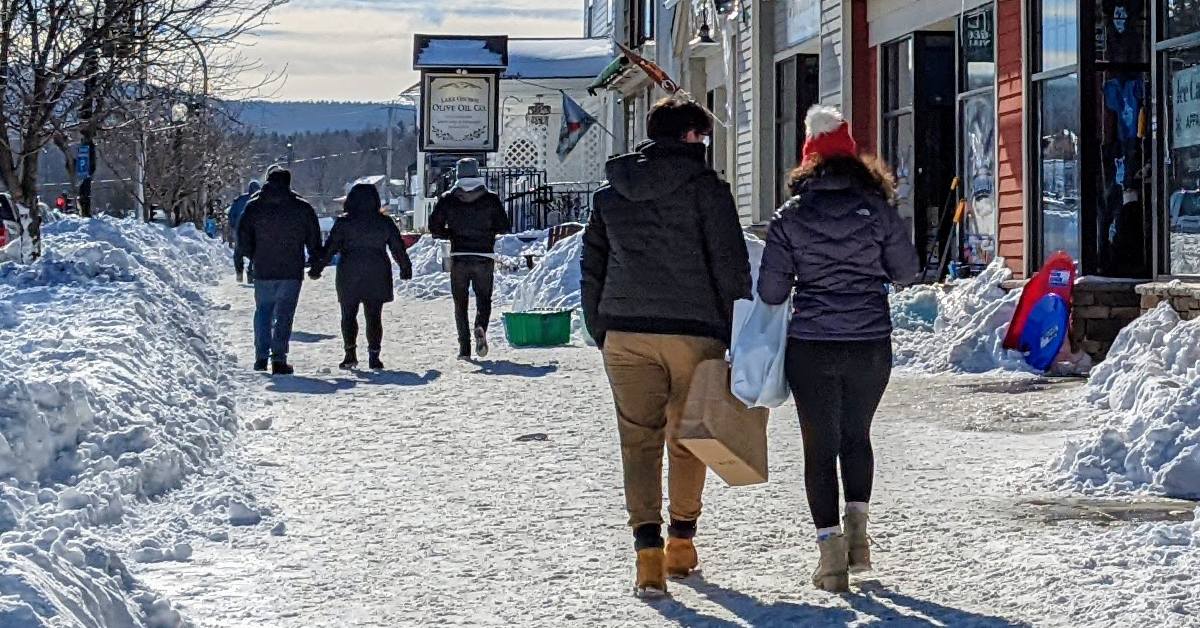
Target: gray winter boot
[832, 572]
[857, 542]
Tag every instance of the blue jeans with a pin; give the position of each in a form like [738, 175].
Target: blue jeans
[276, 302]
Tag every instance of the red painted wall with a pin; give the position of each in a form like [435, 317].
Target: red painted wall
[1010, 102]
[865, 80]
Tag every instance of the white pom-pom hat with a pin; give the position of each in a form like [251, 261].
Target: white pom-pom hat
[827, 134]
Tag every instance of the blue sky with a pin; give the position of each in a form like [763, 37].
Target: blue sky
[362, 49]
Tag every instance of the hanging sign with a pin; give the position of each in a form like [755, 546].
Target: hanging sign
[977, 37]
[1185, 87]
[460, 112]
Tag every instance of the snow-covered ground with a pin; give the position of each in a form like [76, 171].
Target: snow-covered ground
[442, 493]
[489, 493]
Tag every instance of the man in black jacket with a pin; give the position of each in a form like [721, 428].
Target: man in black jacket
[274, 232]
[664, 259]
[470, 216]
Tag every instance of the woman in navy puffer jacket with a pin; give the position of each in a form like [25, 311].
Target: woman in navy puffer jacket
[838, 243]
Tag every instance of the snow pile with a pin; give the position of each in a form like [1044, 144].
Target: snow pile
[431, 282]
[110, 393]
[960, 329]
[554, 282]
[1149, 388]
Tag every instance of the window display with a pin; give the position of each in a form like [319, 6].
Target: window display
[1123, 177]
[978, 181]
[977, 139]
[1182, 168]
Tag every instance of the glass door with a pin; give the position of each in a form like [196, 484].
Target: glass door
[796, 85]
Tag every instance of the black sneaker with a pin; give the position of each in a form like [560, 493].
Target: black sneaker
[350, 361]
[481, 344]
[260, 365]
[281, 368]
[374, 362]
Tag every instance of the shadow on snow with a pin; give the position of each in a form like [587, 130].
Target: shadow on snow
[316, 386]
[514, 369]
[306, 337]
[900, 610]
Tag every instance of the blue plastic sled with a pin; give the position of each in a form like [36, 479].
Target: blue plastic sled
[1045, 331]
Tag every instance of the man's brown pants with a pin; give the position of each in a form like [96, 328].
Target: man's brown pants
[650, 376]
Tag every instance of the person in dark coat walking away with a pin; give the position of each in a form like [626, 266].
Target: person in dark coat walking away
[664, 259]
[236, 210]
[470, 216]
[838, 243]
[274, 232]
[364, 236]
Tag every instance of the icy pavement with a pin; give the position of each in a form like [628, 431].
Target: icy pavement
[441, 493]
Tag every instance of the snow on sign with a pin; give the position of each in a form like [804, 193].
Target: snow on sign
[460, 112]
[460, 52]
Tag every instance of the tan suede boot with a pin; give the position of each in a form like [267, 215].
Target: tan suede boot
[857, 543]
[651, 573]
[681, 557]
[832, 572]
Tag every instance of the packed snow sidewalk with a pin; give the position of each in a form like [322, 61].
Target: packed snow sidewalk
[442, 493]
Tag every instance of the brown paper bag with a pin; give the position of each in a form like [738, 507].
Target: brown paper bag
[721, 431]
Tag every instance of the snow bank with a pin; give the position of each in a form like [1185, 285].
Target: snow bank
[1149, 392]
[110, 393]
[431, 282]
[957, 329]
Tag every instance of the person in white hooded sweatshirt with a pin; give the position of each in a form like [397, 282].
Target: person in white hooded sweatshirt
[470, 216]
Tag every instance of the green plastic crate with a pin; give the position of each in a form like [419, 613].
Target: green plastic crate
[538, 328]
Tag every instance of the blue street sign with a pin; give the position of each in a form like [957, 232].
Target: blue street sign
[83, 161]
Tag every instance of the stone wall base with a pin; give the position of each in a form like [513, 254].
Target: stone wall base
[1183, 297]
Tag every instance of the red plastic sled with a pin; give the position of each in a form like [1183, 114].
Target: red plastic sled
[1057, 276]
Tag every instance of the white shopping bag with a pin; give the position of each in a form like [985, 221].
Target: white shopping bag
[758, 351]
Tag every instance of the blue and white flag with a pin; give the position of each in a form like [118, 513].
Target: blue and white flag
[575, 124]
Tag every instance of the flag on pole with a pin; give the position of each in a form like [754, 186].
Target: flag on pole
[656, 74]
[575, 124]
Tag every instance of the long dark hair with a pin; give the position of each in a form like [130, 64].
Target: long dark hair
[363, 200]
[867, 170]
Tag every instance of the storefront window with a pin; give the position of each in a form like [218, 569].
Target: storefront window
[1121, 31]
[1123, 181]
[1060, 33]
[1182, 168]
[978, 50]
[977, 138]
[979, 178]
[1059, 117]
[898, 147]
[898, 81]
[1182, 18]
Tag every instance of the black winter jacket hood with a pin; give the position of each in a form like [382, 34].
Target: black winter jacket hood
[657, 169]
[663, 251]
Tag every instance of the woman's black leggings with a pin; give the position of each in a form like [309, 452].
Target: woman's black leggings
[374, 312]
[837, 387]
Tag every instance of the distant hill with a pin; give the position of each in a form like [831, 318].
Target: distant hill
[287, 118]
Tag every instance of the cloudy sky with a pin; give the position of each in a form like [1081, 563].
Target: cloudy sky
[362, 49]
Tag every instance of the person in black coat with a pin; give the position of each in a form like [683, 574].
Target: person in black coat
[664, 259]
[274, 232]
[364, 236]
[470, 216]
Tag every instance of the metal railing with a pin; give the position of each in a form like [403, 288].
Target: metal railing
[553, 204]
[531, 202]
